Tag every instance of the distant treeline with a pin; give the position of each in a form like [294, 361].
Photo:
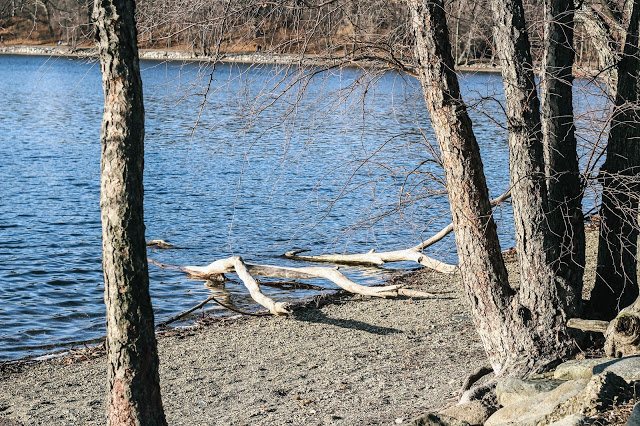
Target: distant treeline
[355, 30]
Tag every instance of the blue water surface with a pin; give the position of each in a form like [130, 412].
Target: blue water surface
[240, 160]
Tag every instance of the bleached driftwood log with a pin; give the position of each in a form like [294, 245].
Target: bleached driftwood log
[246, 271]
[411, 254]
[588, 325]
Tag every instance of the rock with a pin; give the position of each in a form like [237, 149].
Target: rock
[532, 410]
[432, 419]
[474, 412]
[511, 390]
[634, 418]
[572, 420]
[628, 367]
[603, 391]
[578, 368]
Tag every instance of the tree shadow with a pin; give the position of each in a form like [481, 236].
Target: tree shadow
[319, 317]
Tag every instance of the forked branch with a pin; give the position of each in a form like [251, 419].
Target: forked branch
[414, 254]
[246, 272]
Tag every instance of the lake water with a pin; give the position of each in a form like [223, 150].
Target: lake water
[337, 163]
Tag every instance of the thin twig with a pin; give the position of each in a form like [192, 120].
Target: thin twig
[252, 314]
[204, 302]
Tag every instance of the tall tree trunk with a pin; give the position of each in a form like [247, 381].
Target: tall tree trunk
[517, 338]
[543, 297]
[616, 276]
[133, 381]
[565, 187]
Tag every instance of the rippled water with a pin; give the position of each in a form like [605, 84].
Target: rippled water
[218, 181]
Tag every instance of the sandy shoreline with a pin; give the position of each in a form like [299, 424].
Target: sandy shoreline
[354, 361]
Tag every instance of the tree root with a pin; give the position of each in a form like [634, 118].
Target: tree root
[474, 377]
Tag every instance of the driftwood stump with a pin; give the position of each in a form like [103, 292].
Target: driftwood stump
[623, 334]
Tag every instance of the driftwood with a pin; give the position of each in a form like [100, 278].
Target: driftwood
[622, 337]
[246, 271]
[201, 304]
[161, 244]
[588, 325]
[622, 334]
[380, 258]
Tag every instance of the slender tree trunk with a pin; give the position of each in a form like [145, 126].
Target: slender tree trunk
[565, 187]
[133, 381]
[616, 276]
[517, 338]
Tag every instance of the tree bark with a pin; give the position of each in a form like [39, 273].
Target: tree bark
[525, 331]
[219, 267]
[564, 183]
[481, 264]
[616, 283]
[544, 297]
[133, 380]
[600, 36]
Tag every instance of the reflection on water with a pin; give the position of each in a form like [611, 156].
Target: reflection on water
[259, 175]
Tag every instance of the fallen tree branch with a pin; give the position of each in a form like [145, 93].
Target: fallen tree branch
[161, 244]
[588, 325]
[374, 258]
[220, 267]
[295, 285]
[414, 293]
[185, 313]
[276, 308]
[412, 254]
[201, 304]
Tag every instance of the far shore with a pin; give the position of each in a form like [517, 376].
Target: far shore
[263, 57]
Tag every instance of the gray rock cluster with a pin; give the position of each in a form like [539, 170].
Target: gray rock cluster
[578, 392]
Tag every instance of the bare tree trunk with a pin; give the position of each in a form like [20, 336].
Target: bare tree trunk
[565, 187]
[516, 338]
[616, 275]
[133, 380]
[599, 34]
[542, 294]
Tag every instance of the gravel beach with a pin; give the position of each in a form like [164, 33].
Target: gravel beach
[353, 361]
[356, 360]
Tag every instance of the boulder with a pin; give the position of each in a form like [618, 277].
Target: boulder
[634, 418]
[432, 419]
[628, 367]
[578, 368]
[474, 412]
[511, 390]
[530, 411]
[602, 392]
